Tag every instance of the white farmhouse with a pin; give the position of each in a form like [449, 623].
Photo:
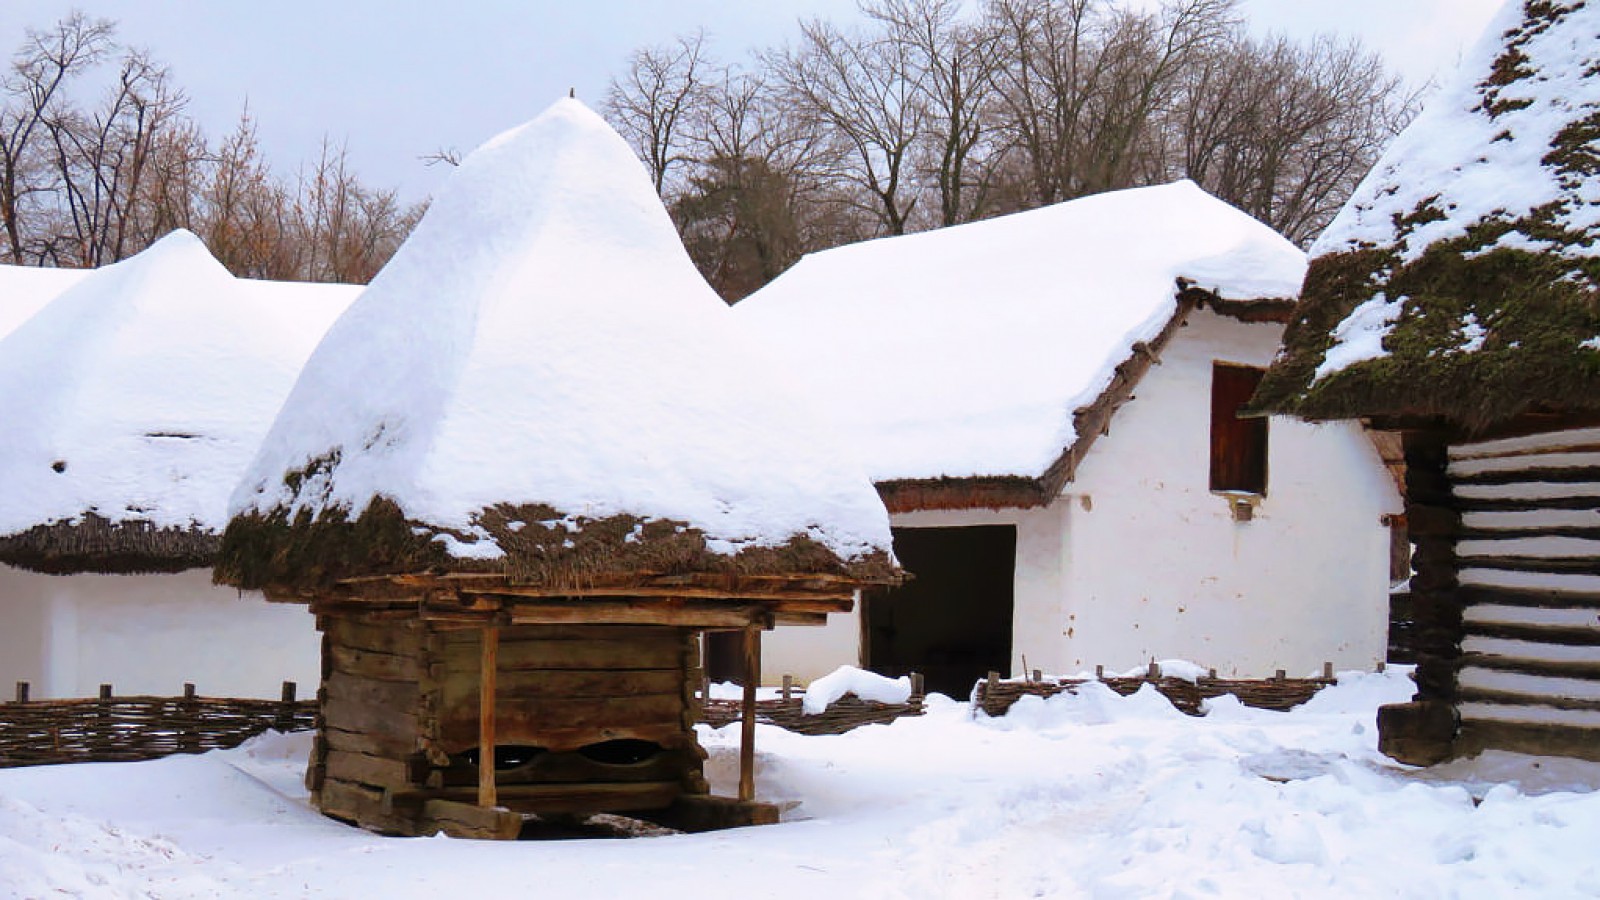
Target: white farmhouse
[1047, 403]
[131, 402]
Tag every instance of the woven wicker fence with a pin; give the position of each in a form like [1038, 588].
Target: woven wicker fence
[122, 729]
[995, 697]
[844, 714]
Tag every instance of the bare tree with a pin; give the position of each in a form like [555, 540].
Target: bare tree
[952, 63]
[657, 93]
[34, 90]
[861, 91]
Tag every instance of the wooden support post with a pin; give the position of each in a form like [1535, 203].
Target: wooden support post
[747, 724]
[1280, 675]
[1038, 675]
[1099, 673]
[1154, 672]
[188, 690]
[487, 795]
[1327, 671]
[22, 692]
[918, 689]
[788, 687]
[705, 667]
[1212, 674]
[105, 692]
[189, 738]
[285, 720]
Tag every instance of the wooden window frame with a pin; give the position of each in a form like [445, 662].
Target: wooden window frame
[1239, 446]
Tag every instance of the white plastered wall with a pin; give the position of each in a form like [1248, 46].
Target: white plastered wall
[1139, 560]
[1160, 569]
[148, 634]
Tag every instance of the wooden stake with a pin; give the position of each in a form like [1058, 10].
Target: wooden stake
[917, 688]
[487, 795]
[788, 687]
[22, 692]
[105, 692]
[188, 690]
[747, 729]
[1327, 671]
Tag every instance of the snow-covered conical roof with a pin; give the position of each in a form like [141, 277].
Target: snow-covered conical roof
[1462, 279]
[964, 352]
[541, 359]
[132, 402]
[24, 290]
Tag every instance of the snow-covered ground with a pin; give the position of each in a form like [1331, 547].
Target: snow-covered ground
[1086, 796]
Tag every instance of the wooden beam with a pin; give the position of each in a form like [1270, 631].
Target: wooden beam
[486, 697]
[747, 726]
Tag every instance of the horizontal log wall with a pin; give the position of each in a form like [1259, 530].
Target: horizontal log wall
[1528, 558]
[372, 716]
[123, 729]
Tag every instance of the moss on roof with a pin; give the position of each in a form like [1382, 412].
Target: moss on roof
[1498, 311]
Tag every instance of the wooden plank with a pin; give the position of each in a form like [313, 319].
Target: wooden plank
[1543, 634]
[673, 612]
[1512, 698]
[398, 695]
[573, 684]
[368, 742]
[514, 634]
[1579, 565]
[366, 769]
[399, 637]
[1515, 504]
[574, 655]
[352, 716]
[1554, 475]
[464, 820]
[524, 722]
[382, 666]
[486, 717]
[592, 797]
[1475, 594]
[1589, 671]
[363, 806]
[1540, 740]
[565, 739]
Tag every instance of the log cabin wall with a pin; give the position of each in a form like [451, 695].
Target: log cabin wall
[588, 718]
[371, 696]
[1528, 554]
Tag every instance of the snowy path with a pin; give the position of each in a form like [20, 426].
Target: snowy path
[1093, 796]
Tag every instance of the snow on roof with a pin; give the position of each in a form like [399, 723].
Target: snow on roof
[1482, 148]
[544, 339]
[24, 290]
[141, 391]
[1460, 279]
[965, 351]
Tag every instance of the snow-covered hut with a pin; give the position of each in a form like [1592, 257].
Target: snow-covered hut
[517, 480]
[1456, 299]
[131, 403]
[1046, 402]
[24, 290]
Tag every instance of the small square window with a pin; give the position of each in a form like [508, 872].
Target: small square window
[1238, 446]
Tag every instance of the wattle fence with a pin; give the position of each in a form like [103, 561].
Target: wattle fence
[123, 729]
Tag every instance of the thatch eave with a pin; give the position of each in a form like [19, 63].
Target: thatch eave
[92, 544]
[540, 548]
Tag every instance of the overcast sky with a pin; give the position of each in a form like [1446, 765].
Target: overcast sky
[396, 80]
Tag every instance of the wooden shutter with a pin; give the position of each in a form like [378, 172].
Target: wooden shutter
[1238, 446]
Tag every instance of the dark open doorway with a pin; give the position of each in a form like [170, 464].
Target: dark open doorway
[952, 621]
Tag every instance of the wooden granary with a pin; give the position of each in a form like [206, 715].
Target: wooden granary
[533, 463]
[1456, 300]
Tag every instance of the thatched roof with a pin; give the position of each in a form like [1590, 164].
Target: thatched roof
[131, 403]
[1462, 281]
[974, 365]
[540, 385]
